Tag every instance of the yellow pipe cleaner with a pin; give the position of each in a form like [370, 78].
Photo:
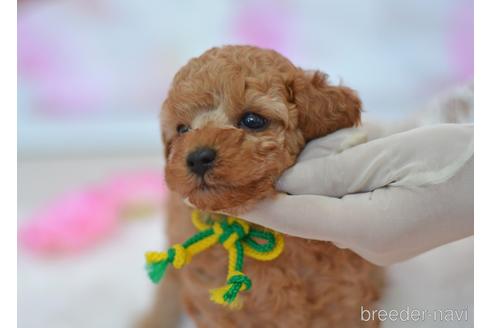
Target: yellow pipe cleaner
[239, 239]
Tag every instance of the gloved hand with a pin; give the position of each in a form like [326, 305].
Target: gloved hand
[389, 199]
[400, 195]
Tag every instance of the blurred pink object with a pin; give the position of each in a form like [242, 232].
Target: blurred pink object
[52, 64]
[266, 24]
[461, 40]
[80, 218]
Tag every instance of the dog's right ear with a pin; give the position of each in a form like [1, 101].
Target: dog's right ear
[322, 108]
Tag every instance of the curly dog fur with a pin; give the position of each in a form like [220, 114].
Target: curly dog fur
[313, 283]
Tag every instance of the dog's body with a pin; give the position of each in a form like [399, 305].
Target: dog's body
[234, 120]
[312, 284]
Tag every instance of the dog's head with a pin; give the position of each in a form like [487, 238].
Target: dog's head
[236, 117]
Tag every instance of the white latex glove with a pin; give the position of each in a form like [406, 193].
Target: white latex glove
[454, 105]
[407, 193]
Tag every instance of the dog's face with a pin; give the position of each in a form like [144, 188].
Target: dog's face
[236, 117]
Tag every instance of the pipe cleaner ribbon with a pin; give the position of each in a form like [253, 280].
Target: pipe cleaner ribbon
[239, 239]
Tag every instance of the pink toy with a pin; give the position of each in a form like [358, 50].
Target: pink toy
[80, 218]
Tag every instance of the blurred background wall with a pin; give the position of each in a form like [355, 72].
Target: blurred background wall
[92, 75]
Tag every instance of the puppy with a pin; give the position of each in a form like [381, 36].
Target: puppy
[235, 118]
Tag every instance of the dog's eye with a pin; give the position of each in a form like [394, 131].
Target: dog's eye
[253, 121]
[182, 128]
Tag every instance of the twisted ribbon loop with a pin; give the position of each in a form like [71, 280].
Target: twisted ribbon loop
[230, 231]
[237, 237]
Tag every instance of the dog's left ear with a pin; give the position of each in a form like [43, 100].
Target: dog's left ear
[322, 108]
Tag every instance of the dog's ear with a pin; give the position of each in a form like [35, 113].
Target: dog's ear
[322, 108]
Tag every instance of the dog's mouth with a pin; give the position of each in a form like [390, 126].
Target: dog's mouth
[202, 186]
[207, 188]
[215, 195]
[205, 184]
[207, 197]
[212, 183]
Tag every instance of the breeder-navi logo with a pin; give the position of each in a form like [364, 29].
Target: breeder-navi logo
[414, 314]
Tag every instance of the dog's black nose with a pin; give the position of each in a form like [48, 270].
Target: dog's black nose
[200, 160]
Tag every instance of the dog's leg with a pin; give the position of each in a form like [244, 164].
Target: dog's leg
[166, 308]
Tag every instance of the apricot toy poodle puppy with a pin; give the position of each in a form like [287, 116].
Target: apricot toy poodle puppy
[235, 118]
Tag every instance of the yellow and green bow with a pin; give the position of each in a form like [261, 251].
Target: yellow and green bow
[238, 238]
